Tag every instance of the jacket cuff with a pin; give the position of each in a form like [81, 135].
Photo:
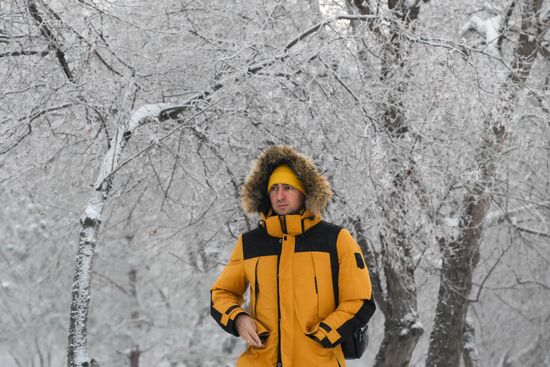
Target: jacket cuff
[233, 314]
[325, 335]
[227, 319]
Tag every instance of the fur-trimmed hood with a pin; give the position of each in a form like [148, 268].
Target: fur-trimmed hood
[254, 195]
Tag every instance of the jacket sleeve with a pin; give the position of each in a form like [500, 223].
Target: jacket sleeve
[355, 300]
[226, 294]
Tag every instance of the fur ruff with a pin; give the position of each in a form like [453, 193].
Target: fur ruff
[254, 195]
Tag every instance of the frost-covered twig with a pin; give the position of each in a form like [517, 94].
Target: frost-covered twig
[172, 112]
[153, 144]
[507, 216]
[31, 118]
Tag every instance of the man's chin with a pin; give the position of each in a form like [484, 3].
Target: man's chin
[287, 211]
[282, 211]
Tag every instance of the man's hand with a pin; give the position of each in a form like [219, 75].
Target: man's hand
[246, 327]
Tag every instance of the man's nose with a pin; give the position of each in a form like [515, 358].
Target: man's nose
[281, 195]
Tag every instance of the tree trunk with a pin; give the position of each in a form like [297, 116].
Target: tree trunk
[470, 350]
[134, 357]
[460, 256]
[398, 304]
[77, 350]
[135, 353]
[402, 328]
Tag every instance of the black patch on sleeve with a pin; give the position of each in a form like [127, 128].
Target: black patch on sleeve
[359, 260]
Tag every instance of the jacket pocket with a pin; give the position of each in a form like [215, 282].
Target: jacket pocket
[306, 287]
[263, 332]
[316, 287]
[324, 288]
[322, 353]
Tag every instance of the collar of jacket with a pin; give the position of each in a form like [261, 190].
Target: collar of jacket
[292, 224]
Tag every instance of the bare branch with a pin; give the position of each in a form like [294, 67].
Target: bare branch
[31, 118]
[24, 53]
[150, 146]
[504, 25]
[493, 267]
[112, 282]
[54, 43]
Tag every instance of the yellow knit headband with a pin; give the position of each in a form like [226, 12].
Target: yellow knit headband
[283, 174]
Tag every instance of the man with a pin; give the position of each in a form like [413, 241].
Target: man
[309, 286]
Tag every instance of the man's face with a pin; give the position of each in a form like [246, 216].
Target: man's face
[286, 199]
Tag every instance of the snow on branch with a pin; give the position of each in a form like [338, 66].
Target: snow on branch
[24, 53]
[489, 28]
[123, 133]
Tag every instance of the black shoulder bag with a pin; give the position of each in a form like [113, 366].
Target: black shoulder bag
[355, 342]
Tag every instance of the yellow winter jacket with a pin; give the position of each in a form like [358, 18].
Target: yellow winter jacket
[309, 285]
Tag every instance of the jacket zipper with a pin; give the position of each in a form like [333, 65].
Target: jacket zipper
[279, 361]
[256, 287]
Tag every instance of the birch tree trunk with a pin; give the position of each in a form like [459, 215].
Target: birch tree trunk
[461, 255]
[77, 350]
